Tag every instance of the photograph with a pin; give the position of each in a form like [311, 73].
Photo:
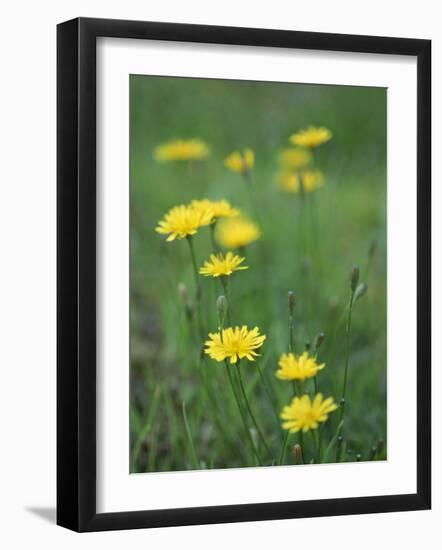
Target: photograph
[258, 276]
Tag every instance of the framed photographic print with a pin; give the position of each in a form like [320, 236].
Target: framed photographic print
[243, 274]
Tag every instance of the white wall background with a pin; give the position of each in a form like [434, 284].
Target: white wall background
[27, 271]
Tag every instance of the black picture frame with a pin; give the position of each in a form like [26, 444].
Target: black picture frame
[76, 273]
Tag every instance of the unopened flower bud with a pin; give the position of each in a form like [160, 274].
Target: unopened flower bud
[319, 339]
[342, 402]
[361, 290]
[354, 277]
[358, 457]
[308, 345]
[297, 453]
[292, 302]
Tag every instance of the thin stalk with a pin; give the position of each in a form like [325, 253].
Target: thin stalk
[267, 391]
[236, 396]
[243, 418]
[190, 439]
[291, 334]
[347, 354]
[317, 441]
[347, 362]
[248, 178]
[315, 378]
[213, 402]
[249, 408]
[225, 285]
[316, 233]
[283, 449]
[291, 327]
[212, 238]
[315, 384]
[197, 284]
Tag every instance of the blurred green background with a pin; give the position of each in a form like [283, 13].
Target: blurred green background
[343, 223]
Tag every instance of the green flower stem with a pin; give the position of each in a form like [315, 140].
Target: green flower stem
[198, 291]
[315, 384]
[189, 438]
[248, 178]
[212, 238]
[291, 334]
[317, 438]
[281, 460]
[225, 285]
[314, 219]
[237, 400]
[267, 391]
[347, 354]
[316, 234]
[243, 418]
[249, 408]
[298, 387]
[347, 361]
[194, 264]
[213, 402]
[292, 342]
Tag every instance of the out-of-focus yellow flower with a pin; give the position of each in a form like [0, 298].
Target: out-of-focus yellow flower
[241, 163]
[182, 221]
[311, 137]
[291, 181]
[293, 367]
[219, 209]
[234, 343]
[306, 414]
[221, 266]
[236, 232]
[181, 149]
[312, 180]
[295, 158]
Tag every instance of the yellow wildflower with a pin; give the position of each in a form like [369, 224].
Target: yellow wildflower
[295, 158]
[290, 181]
[219, 209]
[240, 162]
[234, 343]
[312, 180]
[182, 221]
[236, 232]
[220, 265]
[311, 137]
[299, 367]
[182, 149]
[305, 414]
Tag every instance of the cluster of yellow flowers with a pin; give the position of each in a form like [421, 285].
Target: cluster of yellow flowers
[295, 173]
[303, 413]
[235, 231]
[184, 220]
